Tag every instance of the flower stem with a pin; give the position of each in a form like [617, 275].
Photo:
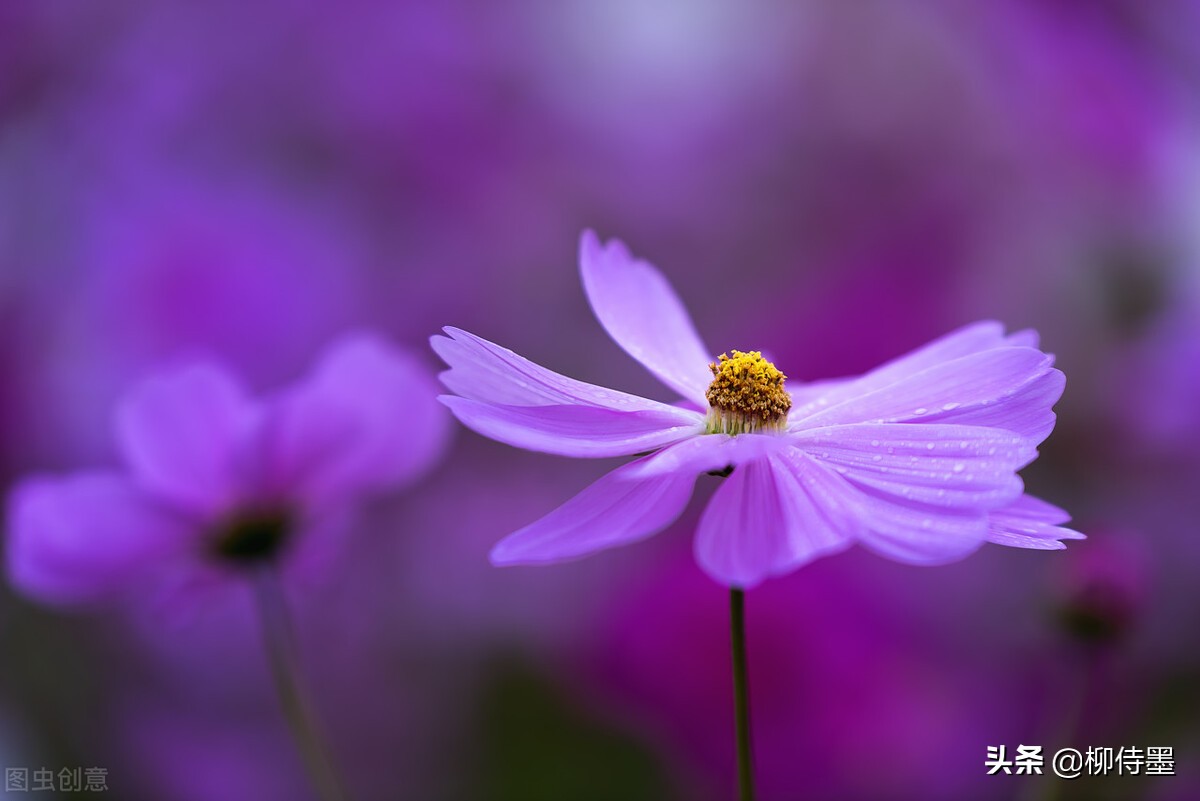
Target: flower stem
[280, 644]
[741, 695]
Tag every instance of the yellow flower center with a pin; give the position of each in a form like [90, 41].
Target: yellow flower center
[746, 394]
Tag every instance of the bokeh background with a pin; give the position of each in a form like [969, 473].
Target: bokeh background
[833, 182]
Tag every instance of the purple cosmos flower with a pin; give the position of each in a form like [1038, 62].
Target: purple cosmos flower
[916, 459]
[218, 482]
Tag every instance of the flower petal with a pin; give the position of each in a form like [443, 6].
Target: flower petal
[1012, 388]
[1026, 410]
[642, 313]
[916, 533]
[183, 435]
[483, 371]
[615, 510]
[921, 494]
[973, 338]
[765, 520]
[939, 465]
[587, 431]
[709, 453]
[1027, 338]
[366, 419]
[1030, 522]
[87, 537]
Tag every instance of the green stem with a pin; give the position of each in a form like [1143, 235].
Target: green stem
[280, 644]
[741, 695]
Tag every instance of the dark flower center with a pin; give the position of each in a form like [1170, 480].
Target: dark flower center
[253, 537]
[1098, 614]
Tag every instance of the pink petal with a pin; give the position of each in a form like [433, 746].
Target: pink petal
[642, 313]
[183, 435]
[939, 465]
[586, 431]
[366, 419]
[88, 537]
[1025, 410]
[918, 534]
[973, 338]
[900, 521]
[711, 452]
[615, 510]
[767, 518]
[1026, 338]
[1030, 522]
[1012, 388]
[484, 371]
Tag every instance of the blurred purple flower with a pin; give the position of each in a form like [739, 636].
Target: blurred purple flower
[1157, 381]
[916, 460]
[218, 482]
[1104, 589]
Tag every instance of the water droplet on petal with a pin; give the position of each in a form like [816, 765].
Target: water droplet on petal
[958, 468]
[922, 410]
[949, 407]
[876, 458]
[930, 446]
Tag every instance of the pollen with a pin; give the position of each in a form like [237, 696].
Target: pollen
[746, 394]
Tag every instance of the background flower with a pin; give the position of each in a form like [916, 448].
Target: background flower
[248, 182]
[217, 483]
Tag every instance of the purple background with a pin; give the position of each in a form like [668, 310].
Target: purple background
[831, 182]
